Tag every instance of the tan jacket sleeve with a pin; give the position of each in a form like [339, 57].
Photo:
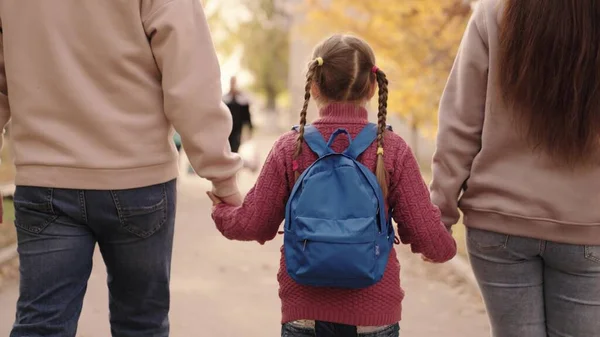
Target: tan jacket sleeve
[461, 116]
[180, 40]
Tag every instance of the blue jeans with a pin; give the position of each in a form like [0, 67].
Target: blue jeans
[57, 233]
[537, 288]
[289, 330]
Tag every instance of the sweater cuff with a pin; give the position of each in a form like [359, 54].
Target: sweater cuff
[225, 188]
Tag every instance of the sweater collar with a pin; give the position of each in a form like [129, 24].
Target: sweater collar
[346, 113]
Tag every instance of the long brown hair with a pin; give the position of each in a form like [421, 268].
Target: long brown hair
[343, 70]
[549, 64]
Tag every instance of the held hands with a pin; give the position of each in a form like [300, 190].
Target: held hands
[427, 259]
[233, 200]
[424, 258]
[215, 200]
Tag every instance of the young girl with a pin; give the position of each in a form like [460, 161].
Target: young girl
[342, 79]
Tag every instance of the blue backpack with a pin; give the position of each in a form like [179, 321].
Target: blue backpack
[336, 231]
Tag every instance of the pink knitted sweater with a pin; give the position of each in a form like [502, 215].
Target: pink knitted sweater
[262, 213]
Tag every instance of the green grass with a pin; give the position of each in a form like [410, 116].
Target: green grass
[7, 228]
[9, 210]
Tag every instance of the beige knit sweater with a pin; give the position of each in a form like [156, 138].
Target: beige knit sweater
[487, 169]
[94, 89]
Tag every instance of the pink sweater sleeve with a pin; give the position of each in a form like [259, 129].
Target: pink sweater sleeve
[263, 210]
[419, 222]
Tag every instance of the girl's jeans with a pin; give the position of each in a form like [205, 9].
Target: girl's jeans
[537, 288]
[333, 330]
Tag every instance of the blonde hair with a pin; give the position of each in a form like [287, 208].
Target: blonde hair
[343, 70]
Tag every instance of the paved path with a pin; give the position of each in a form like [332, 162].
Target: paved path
[228, 289]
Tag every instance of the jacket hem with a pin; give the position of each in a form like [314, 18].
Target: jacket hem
[95, 179]
[536, 228]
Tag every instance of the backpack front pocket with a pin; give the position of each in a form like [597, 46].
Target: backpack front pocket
[336, 264]
[334, 258]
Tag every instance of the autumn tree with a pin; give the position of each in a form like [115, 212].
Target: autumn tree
[263, 37]
[415, 41]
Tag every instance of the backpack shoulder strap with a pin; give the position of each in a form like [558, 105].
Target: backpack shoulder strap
[362, 141]
[314, 139]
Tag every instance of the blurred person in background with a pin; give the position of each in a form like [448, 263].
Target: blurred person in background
[140, 67]
[518, 152]
[239, 105]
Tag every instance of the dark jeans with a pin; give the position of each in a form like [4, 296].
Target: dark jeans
[335, 330]
[537, 288]
[57, 233]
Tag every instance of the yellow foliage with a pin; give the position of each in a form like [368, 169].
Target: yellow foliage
[415, 42]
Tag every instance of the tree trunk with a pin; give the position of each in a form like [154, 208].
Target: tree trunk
[271, 111]
[271, 101]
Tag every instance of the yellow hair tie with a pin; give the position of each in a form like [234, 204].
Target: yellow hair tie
[319, 61]
[380, 151]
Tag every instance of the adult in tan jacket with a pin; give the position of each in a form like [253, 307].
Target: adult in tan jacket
[94, 89]
[518, 152]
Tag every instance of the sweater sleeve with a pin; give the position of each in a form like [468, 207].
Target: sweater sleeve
[263, 209]
[461, 117]
[418, 219]
[191, 79]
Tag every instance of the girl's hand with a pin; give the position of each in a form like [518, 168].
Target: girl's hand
[215, 200]
[233, 200]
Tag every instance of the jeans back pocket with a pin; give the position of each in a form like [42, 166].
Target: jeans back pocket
[142, 211]
[33, 208]
[592, 253]
[483, 240]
